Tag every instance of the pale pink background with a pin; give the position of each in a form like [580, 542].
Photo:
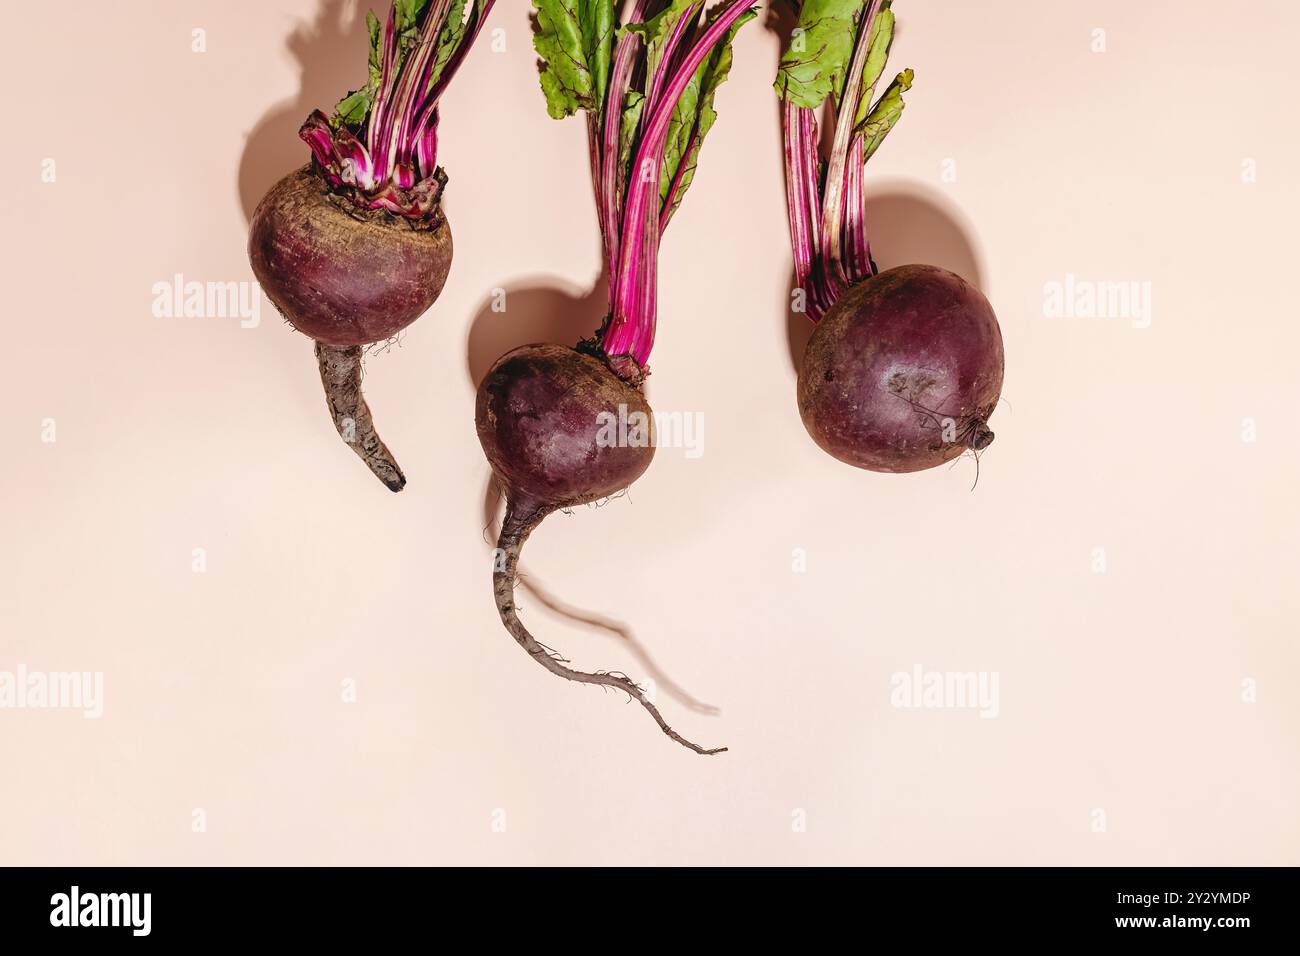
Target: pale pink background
[1120, 691]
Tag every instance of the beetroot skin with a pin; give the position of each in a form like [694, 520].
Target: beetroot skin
[340, 278]
[538, 414]
[903, 371]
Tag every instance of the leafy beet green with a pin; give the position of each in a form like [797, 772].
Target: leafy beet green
[644, 138]
[838, 51]
[814, 66]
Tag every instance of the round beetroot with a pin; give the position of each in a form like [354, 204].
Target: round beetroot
[903, 371]
[540, 414]
[341, 275]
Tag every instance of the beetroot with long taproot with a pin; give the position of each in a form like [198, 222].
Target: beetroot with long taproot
[540, 414]
[355, 247]
[543, 411]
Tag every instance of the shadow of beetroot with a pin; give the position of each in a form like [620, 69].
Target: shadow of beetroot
[331, 52]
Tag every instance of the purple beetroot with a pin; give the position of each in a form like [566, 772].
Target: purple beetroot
[543, 410]
[905, 366]
[354, 247]
[903, 372]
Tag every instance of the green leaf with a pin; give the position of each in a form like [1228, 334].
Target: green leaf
[598, 23]
[815, 65]
[887, 111]
[408, 14]
[406, 23]
[681, 124]
[686, 118]
[353, 109]
[654, 33]
[575, 40]
[882, 37]
[692, 121]
[453, 31]
[376, 61]
[631, 121]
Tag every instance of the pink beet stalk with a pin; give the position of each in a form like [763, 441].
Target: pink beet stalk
[828, 228]
[612, 176]
[631, 328]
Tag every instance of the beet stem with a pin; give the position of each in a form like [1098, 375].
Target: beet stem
[515, 529]
[340, 373]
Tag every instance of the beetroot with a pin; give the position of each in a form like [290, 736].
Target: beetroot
[355, 247]
[339, 278]
[538, 414]
[903, 372]
[345, 282]
[905, 366]
[543, 410]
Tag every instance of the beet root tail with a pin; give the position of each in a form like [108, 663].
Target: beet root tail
[515, 530]
[340, 373]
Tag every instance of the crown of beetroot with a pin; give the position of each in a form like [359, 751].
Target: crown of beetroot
[380, 148]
